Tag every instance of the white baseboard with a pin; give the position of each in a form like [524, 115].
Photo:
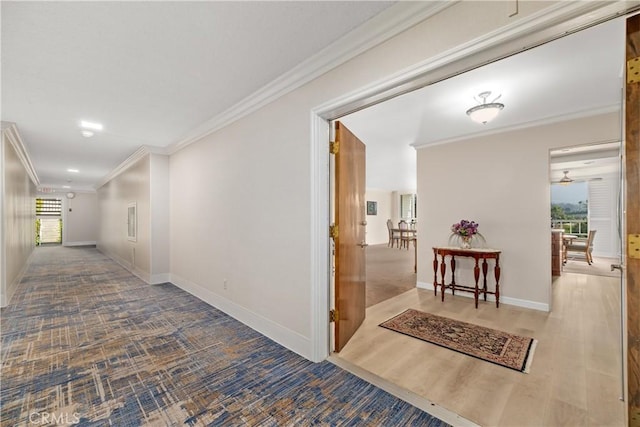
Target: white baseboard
[87, 243]
[278, 333]
[152, 279]
[159, 278]
[534, 305]
[143, 275]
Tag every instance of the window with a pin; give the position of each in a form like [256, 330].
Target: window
[569, 208]
[408, 206]
[48, 207]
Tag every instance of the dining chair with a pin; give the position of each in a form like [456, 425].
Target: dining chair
[583, 246]
[405, 236]
[394, 236]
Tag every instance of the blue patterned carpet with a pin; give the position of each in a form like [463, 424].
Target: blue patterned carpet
[84, 342]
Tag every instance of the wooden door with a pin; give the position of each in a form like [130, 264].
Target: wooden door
[632, 216]
[350, 239]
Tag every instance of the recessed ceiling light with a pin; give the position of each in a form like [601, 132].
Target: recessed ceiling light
[73, 170]
[87, 133]
[91, 125]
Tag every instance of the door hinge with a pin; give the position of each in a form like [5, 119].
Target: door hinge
[633, 249]
[333, 231]
[334, 147]
[334, 316]
[633, 70]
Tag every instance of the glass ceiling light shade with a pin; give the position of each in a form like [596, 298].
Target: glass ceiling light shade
[485, 112]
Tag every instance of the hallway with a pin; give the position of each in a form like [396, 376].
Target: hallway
[85, 341]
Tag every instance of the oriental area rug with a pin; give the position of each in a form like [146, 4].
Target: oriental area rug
[85, 342]
[502, 348]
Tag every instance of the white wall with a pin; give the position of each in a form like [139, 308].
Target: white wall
[143, 181]
[506, 190]
[377, 224]
[159, 233]
[240, 196]
[80, 219]
[18, 215]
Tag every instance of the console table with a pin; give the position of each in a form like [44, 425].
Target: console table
[477, 255]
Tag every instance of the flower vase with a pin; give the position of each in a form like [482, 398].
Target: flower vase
[465, 242]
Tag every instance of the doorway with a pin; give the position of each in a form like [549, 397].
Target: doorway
[585, 197]
[48, 221]
[410, 356]
[421, 118]
[372, 259]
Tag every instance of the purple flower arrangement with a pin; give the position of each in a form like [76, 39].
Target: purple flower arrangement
[465, 228]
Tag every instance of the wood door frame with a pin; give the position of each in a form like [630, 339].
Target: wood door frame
[541, 28]
[632, 226]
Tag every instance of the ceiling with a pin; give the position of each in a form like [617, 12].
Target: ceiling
[153, 72]
[149, 72]
[585, 163]
[540, 85]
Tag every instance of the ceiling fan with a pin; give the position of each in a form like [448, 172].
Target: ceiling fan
[565, 180]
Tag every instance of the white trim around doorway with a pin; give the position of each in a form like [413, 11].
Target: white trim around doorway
[552, 23]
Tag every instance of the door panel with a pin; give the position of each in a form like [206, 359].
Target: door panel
[632, 217]
[350, 242]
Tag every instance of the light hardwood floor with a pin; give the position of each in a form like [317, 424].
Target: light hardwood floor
[574, 379]
[389, 273]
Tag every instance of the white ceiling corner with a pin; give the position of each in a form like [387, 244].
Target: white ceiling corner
[388, 23]
[10, 130]
[160, 75]
[151, 72]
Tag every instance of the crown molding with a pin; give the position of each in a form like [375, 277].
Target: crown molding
[552, 22]
[130, 161]
[380, 28]
[10, 131]
[530, 124]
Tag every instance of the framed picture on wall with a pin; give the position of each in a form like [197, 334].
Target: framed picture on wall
[372, 208]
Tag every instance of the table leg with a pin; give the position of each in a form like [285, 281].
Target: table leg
[485, 267]
[443, 270]
[435, 272]
[453, 275]
[476, 275]
[496, 272]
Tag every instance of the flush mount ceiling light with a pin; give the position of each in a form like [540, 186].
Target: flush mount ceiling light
[73, 170]
[565, 179]
[87, 133]
[90, 125]
[485, 111]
